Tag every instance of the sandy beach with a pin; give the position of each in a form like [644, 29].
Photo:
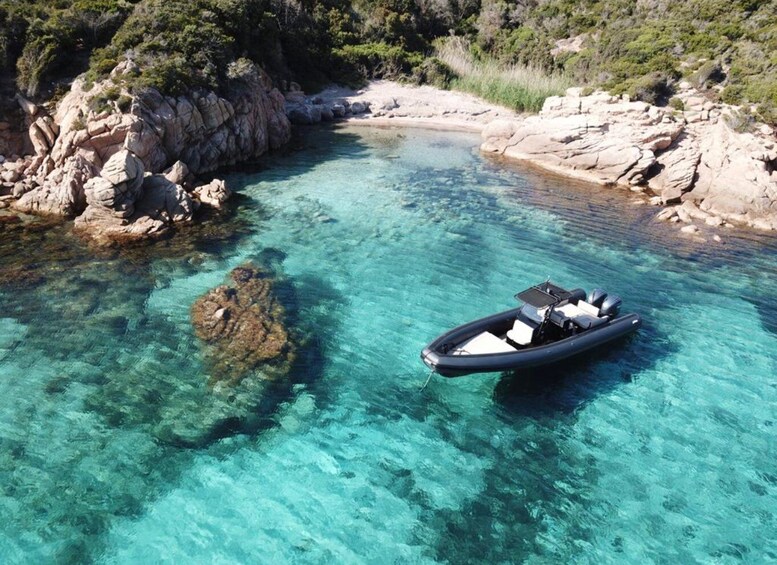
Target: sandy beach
[692, 161]
[392, 103]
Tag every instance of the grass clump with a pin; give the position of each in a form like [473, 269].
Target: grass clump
[676, 104]
[435, 72]
[520, 87]
[741, 120]
[104, 101]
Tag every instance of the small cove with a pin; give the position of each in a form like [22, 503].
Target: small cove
[661, 451]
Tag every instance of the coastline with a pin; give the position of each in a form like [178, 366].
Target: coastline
[109, 171]
[694, 164]
[434, 124]
[135, 355]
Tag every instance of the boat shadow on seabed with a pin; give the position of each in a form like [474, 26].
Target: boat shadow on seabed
[569, 385]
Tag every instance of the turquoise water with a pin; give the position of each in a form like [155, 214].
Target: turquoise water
[661, 449]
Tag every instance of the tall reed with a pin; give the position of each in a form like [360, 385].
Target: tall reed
[522, 88]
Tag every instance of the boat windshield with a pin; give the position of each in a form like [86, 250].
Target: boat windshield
[541, 295]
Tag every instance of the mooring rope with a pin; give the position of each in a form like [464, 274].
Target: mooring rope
[429, 378]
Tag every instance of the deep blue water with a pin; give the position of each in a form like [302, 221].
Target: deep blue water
[659, 449]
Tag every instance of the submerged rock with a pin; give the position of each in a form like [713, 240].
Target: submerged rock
[243, 327]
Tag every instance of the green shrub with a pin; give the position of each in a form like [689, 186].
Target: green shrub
[767, 112]
[708, 74]
[169, 75]
[124, 103]
[103, 102]
[104, 66]
[36, 59]
[79, 124]
[676, 104]
[44, 39]
[741, 121]
[374, 60]
[523, 46]
[434, 72]
[654, 88]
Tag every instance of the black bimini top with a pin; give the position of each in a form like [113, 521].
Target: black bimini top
[545, 294]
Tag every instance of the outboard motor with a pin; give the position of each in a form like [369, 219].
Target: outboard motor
[576, 294]
[611, 306]
[596, 297]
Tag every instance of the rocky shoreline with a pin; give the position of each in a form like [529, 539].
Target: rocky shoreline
[694, 161]
[127, 167]
[699, 163]
[384, 102]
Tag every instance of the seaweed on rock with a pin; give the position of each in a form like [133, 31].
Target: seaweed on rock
[163, 389]
[243, 325]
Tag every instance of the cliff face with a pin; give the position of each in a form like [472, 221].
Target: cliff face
[14, 125]
[198, 132]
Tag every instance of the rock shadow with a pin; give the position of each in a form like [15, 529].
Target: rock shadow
[122, 371]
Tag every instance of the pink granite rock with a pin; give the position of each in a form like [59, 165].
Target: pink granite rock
[731, 176]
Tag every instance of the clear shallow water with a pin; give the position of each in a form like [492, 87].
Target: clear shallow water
[661, 450]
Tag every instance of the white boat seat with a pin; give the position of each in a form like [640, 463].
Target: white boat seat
[522, 333]
[587, 308]
[483, 344]
[582, 314]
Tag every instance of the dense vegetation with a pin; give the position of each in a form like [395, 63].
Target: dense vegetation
[640, 47]
[644, 47]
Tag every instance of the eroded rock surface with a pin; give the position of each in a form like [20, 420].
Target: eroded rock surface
[125, 203]
[693, 155]
[243, 327]
[75, 170]
[214, 194]
[598, 138]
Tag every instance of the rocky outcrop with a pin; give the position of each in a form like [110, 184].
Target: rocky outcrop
[737, 177]
[75, 170]
[694, 155]
[179, 174]
[43, 134]
[214, 194]
[303, 110]
[597, 138]
[125, 203]
[677, 168]
[119, 185]
[243, 327]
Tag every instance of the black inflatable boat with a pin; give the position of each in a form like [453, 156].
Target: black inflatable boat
[551, 325]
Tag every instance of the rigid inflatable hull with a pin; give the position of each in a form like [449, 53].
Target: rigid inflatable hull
[460, 365]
